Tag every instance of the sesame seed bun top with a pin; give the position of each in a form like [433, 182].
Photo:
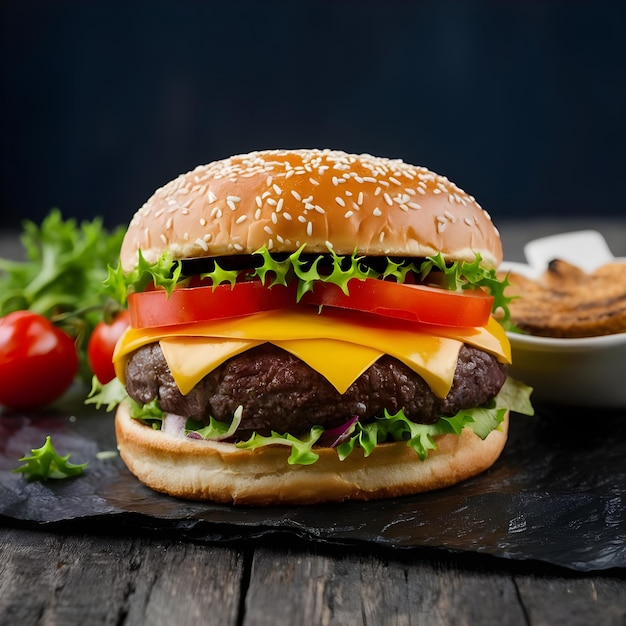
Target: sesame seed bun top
[286, 198]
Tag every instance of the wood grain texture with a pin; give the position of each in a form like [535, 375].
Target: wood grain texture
[373, 591]
[65, 580]
[312, 588]
[48, 579]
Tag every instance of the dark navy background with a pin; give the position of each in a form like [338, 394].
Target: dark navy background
[520, 103]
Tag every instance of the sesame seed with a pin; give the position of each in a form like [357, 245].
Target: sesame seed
[268, 230]
[238, 247]
[257, 214]
[468, 221]
[381, 236]
[313, 181]
[277, 189]
[163, 238]
[388, 199]
[377, 212]
[296, 195]
[186, 236]
[231, 205]
[301, 219]
[202, 244]
[319, 209]
[410, 191]
[377, 191]
[340, 201]
[450, 216]
[348, 214]
[279, 205]
[369, 179]
[168, 224]
[272, 202]
[421, 190]
[241, 219]
[202, 222]
[414, 205]
[395, 181]
[268, 181]
[360, 198]
[280, 239]
[211, 197]
[185, 211]
[309, 228]
[274, 217]
[287, 216]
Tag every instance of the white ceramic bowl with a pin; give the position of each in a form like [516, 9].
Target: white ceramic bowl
[586, 372]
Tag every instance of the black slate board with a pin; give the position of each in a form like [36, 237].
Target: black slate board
[557, 495]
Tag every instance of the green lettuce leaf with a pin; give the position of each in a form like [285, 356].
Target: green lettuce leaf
[61, 276]
[514, 396]
[302, 452]
[45, 462]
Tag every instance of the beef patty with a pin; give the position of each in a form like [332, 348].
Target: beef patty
[280, 392]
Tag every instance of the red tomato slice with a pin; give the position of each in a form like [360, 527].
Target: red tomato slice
[150, 309]
[417, 303]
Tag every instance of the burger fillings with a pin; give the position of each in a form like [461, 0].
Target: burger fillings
[308, 326]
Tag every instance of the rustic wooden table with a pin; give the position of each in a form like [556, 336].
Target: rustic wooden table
[90, 575]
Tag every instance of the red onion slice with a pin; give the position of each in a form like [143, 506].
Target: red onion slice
[336, 436]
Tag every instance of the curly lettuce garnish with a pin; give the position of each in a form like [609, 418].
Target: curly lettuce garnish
[463, 275]
[45, 462]
[307, 269]
[219, 276]
[165, 273]
[421, 438]
[514, 396]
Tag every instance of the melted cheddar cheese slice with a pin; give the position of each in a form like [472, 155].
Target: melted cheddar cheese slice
[340, 345]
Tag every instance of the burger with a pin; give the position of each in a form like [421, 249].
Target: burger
[311, 326]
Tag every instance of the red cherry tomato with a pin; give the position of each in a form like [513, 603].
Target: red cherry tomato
[150, 309]
[416, 303]
[38, 361]
[102, 343]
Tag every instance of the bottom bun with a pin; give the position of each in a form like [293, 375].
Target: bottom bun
[209, 470]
